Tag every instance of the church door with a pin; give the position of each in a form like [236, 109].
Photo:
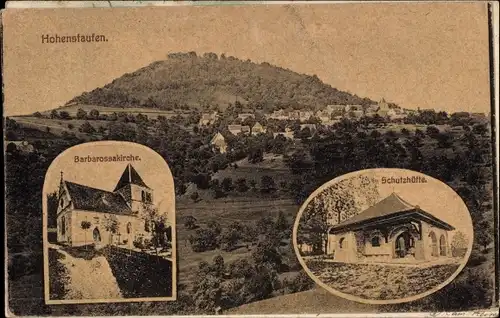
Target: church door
[97, 235]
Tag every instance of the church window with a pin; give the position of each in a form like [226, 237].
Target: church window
[63, 226]
[375, 241]
[129, 227]
[62, 202]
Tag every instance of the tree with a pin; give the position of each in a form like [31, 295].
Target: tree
[241, 185]
[111, 225]
[479, 129]
[432, 131]
[81, 114]
[227, 184]
[94, 114]
[256, 155]
[38, 115]
[64, 115]
[483, 233]
[267, 184]
[87, 128]
[459, 244]
[218, 267]
[54, 114]
[71, 126]
[85, 225]
[195, 196]
[190, 222]
[281, 222]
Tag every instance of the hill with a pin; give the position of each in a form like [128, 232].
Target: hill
[186, 80]
[315, 301]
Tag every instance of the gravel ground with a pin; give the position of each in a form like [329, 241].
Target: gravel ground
[379, 282]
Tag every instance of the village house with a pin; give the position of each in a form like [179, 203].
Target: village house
[337, 109]
[116, 215]
[208, 119]
[258, 129]
[218, 143]
[305, 115]
[237, 129]
[351, 108]
[392, 230]
[288, 134]
[278, 115]
[244, 116]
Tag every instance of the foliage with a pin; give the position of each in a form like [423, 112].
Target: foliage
[177, 81]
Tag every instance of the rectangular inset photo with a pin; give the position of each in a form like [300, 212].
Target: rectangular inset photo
[109, 225]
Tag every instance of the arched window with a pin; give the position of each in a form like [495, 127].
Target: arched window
[433, 243]
[442, 246]
[341, 243]
[63, 226]
[129, 228]
[375, 241]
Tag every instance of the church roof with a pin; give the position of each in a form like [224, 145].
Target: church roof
[391, 206]
[92, 199]
[130, 176]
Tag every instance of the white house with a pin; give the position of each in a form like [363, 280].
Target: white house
[116, 216]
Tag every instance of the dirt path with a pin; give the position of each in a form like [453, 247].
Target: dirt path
[89, 279]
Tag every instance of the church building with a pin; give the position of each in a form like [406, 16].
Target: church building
[392, 230]
[87, 215]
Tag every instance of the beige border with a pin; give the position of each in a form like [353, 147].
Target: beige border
[49, 301]
[351, 297]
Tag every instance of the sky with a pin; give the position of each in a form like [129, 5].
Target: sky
[105, 175]
[427, 55]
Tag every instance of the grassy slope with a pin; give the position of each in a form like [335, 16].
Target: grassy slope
[224, 211]
[315, 301]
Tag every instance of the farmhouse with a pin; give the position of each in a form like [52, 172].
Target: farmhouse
[218, 143]
[119, 212]
[392, 230]
[244, 116]
[258, 129]
[208, 119]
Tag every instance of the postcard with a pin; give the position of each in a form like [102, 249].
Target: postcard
[241, 159]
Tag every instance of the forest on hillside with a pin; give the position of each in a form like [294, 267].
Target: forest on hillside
[186, 80]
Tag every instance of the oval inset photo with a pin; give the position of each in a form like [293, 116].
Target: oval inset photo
[383, 236]
[109, 225]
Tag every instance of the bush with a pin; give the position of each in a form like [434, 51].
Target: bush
[138, 243]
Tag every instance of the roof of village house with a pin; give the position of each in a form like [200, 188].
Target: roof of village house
[391, 206]
[91, 199]
[217, 137]
[130, 176]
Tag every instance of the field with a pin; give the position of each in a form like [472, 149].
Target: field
[272, 165]
[225, 211]
[380, 282]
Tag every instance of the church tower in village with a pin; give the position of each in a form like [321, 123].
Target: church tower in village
[131, 186]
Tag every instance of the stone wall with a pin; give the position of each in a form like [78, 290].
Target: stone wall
[139, 274]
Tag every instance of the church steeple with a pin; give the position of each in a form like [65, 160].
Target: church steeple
[130, 176]
[134, 190]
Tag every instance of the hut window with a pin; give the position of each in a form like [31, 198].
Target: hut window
[341, 243]
[375, 241]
